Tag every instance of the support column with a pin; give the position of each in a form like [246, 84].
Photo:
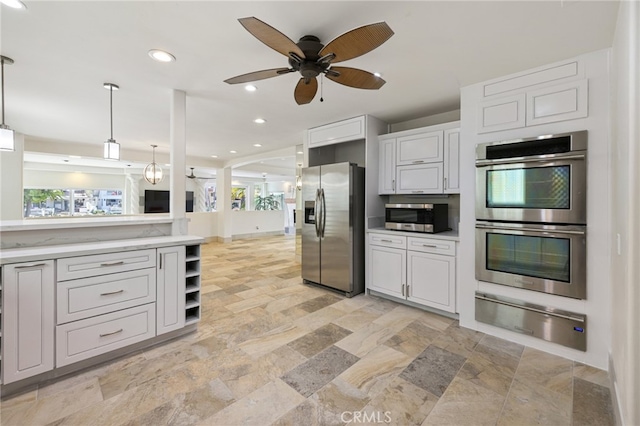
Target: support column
[11, 185]
[223, 207]
[178, 134]
[131, 203]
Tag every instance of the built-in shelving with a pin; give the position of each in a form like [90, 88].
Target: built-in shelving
[192, 287]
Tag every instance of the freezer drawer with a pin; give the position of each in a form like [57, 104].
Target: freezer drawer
[561, 327]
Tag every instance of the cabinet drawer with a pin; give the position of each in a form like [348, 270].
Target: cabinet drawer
[432, 245]
[386, 240]
[87, 338]
[88, 297]
[89, 266]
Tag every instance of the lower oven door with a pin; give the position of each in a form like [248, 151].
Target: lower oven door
[546, 258]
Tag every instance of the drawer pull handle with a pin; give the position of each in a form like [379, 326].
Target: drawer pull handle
[37, 265]
[523, 330]
[112, 333]
[430, 245]
[112, 263]
[386, 241]
[418, 162]
[417, 192]
[111, 292]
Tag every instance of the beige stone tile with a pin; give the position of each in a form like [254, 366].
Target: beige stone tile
[318, 318]
[318, 340]
[591, 374]
[246, 304]
[532, 404]
[272, 340]
[354, 303]
[592, 404]
[23, 399]
[413, 339]
[336, 398]
[465, 403]
[364, 340]
[398, 318]
[282, 360]
[305, 414]
[357, 319]
[490, 368]
[53, 407]
[550, 371]
[459, 340]
[435, 321]
[373, 373]
[208, 288]
[401, 403]
[261, 407]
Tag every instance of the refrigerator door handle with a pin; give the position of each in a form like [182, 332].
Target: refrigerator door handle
[324, 212]
[316, 212]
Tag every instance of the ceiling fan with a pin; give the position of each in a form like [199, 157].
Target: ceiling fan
[193, 176]
[311, 58]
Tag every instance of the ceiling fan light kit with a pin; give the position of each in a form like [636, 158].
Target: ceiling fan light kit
[153, 172]
[111, 147]
[311, 58]
[7, 136]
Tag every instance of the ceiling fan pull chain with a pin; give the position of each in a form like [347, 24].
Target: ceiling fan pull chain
[321, 87]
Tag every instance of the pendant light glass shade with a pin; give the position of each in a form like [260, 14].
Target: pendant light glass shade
[7, 136]
[111, 147]
[153, 172]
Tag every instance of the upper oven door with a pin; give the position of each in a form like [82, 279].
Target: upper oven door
[545, 189]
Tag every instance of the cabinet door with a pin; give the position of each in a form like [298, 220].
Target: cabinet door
[171, 286]
[432, 280]
[452, 161]
[28, 316]
[387, 172]
[342, 131]
[502, 114]
[420, 148]
[558, 103]
[419, 179]
[387, 270]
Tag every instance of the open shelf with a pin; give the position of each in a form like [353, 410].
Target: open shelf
[192, 285]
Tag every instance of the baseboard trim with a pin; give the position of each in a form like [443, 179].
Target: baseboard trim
[256, 235]
[615, 400]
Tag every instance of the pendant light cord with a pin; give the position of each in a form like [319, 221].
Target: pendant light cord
[110, 108]
[2, 72]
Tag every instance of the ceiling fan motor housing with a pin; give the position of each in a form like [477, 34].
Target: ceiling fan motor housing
[309, 67]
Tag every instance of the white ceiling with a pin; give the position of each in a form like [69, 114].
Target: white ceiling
[64, 51]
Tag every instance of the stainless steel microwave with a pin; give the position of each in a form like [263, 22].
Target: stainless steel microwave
[541, 179]
[430, 218]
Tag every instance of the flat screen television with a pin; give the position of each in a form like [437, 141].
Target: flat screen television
[158, 201]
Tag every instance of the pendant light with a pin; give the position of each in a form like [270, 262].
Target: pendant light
[7, 141]
[153, 172]
[111, 147]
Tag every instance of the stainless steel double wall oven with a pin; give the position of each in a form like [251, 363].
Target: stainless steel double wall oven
[531, 213]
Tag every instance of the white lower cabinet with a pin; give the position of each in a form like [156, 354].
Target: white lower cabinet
[28, 320]
[171, 289]
[422, 271]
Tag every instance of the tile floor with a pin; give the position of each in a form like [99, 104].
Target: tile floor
[271, 350]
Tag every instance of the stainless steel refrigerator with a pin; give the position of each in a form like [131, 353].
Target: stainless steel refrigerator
[333, 227]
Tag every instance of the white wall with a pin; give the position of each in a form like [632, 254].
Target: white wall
[203, 224]
[625, 190]
[48, 179]
[11, 196]
[256, 222]
[445, 117]
[597, 304]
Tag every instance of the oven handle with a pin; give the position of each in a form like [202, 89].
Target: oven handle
[536, 159]
[530, 308]
[514, 228]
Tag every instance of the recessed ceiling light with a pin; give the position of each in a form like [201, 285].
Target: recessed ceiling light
[233, 152]
[167, 165]
[74, 156]
[260, 121]
[14, 4]
[214, 156]
[377, 74]
[299, 152]
[257, 145]
[161, 55]
[250, 88]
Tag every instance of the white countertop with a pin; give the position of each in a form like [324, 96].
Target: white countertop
[31, 254]
[82, 222]
[448, 235]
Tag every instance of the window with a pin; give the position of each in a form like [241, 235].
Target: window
[238, 198]
[71, 202]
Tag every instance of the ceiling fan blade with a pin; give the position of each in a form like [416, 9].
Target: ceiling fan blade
[257, 75]
[270, 36]
[354, 77]
[305, 91]
[357, 42]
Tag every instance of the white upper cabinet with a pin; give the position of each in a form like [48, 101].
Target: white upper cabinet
[341, 131]
[420, 161]
[420, 148]
[544, 95]
[451, 184]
